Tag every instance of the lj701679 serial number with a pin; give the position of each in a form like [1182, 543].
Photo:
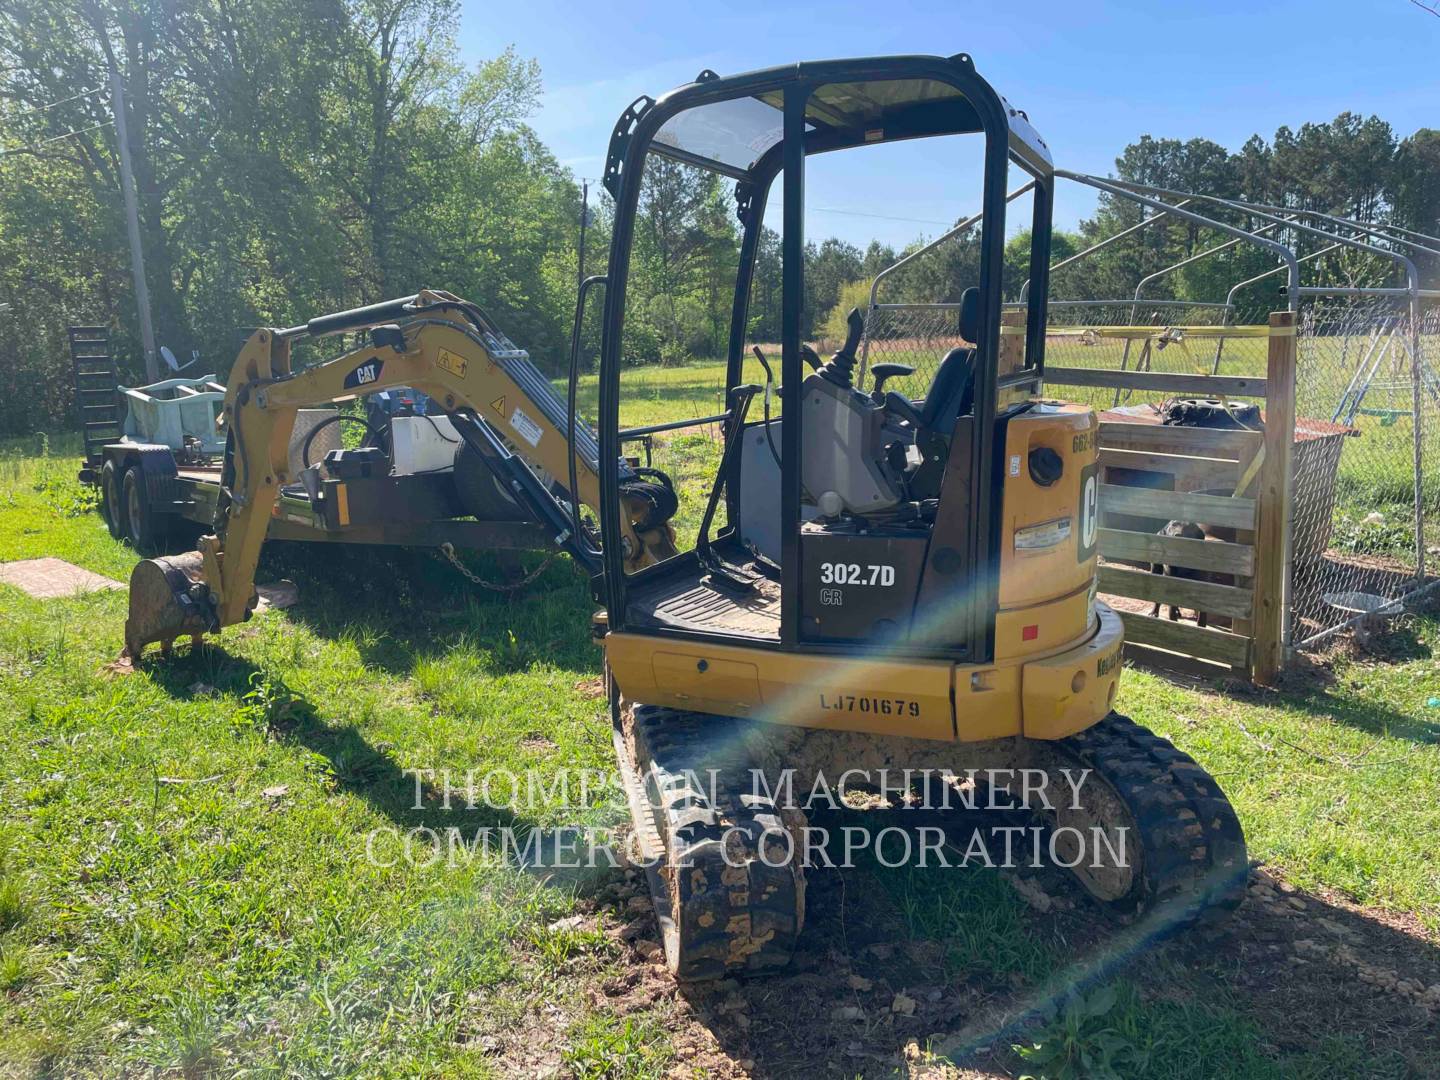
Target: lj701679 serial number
[878, 706]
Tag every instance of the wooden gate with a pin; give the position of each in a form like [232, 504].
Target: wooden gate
[1232, 483]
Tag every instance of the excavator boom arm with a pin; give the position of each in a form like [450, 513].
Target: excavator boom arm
[499, 402]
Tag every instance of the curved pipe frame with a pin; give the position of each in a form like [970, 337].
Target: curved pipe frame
[1412, 275]
[964, 226]
[1116, 188]
[1379, 231]
[1145, 224]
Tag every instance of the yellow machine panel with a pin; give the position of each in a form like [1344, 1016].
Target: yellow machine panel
[1070, 691]
[1047, 541]
[845, 693]
[1042, 628]
[1062, 691]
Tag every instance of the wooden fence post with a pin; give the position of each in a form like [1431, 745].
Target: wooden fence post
[1274, 500]
[1012, 356]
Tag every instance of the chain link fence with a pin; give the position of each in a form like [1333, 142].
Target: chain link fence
[919, 335]
[916, 335]
[1365, 517]
[1365, 484]
[1099, 336]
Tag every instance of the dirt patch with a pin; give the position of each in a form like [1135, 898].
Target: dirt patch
[49, 578]
[1128, 604]
[592, 687]
[1313, 964]
[862, 998]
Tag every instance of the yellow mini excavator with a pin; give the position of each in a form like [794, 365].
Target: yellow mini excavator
[503, 409]
[882, 580]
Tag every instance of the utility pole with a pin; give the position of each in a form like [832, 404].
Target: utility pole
[584, 221]
[132, 222]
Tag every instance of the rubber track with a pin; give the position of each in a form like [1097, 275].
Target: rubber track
[1194, 863]
[735, 914]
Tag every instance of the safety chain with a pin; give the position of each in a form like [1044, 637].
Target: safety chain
[448, 550]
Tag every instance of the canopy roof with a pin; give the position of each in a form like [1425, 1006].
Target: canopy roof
[732, 135]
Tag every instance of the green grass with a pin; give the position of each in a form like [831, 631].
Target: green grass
[624, 1050]
[185, 885]
[178, 916]
[1334, 784]
[1114, 1031]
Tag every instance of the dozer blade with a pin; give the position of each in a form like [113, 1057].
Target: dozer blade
[168, 598]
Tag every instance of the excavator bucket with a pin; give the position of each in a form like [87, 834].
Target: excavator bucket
[168, 598]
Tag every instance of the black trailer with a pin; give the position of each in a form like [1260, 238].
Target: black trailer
[153, 493]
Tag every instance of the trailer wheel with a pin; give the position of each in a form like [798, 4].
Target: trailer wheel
[148, 529]
[111, 506]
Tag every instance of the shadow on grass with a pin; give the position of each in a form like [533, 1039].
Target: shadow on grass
[1312, 686]
[1366, 715]
[352, 763]
[400, 606]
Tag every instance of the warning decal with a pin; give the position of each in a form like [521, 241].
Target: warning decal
[499, 405]
[452, 363]
[526, 428]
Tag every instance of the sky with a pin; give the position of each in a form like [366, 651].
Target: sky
[1093, 75]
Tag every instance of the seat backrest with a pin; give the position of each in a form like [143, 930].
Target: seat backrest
[970, 315]
[951, 378]
[951, 390]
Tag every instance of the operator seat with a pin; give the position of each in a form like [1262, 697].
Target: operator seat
[952, 390]
[951, 395]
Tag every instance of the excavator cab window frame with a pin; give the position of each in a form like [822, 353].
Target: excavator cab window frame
[975, 108]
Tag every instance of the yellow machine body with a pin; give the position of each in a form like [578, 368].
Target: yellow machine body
[1056, 662]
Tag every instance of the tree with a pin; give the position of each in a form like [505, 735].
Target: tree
[290, 159]
[300, 158]
[878, 257]
[1017, 257]
[1350, 166]
[683, 262]
[827, 269]
[1414, 191]
[765, 288]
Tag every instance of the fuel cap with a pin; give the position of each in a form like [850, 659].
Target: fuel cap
[1045, 466]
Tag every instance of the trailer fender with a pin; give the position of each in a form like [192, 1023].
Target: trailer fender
[157, 470]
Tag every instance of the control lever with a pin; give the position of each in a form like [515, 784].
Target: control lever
[769, 374]
[841, 368]
[719, 573]
[810, 356]
[881, 372]
[769, 381]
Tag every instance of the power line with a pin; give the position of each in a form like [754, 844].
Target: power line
[1432, 7]
[882, 217]
[46, 142]
[62, 101]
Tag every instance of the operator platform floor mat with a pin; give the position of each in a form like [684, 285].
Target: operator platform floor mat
[689, 604]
